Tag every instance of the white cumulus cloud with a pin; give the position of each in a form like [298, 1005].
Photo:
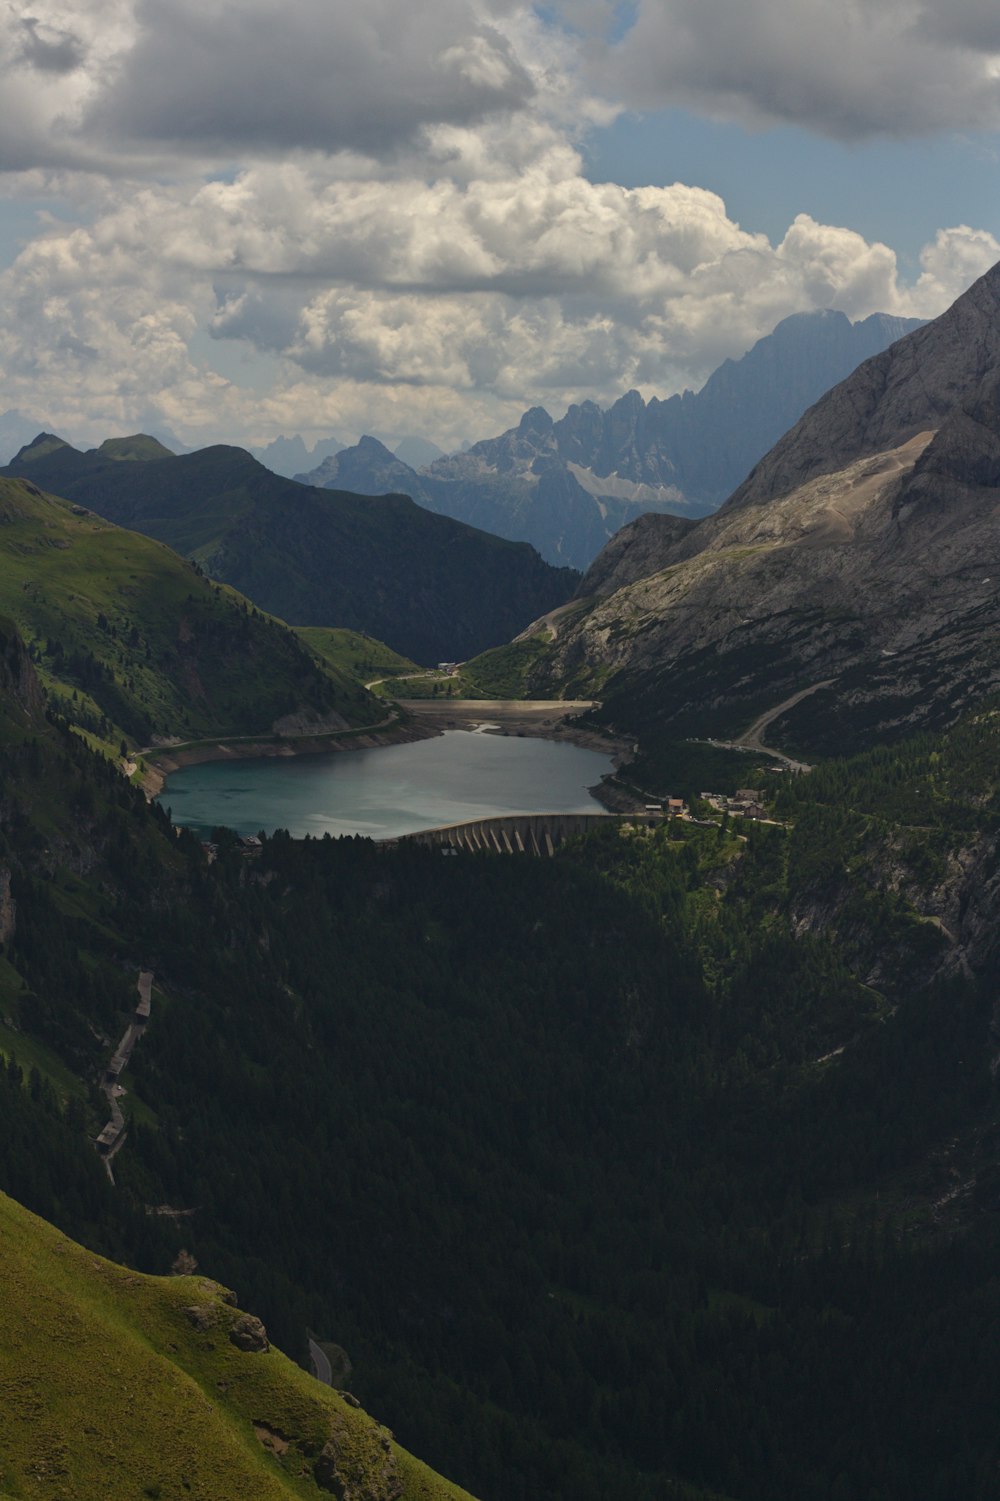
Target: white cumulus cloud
[380, 216]
[535, 286]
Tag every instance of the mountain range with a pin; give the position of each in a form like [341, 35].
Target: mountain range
[667, 1167]
[860, 550]
[566, 486]
[431, 587]
[287, 456]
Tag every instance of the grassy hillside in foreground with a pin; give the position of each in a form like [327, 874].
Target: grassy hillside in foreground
[432, 587]
[116, 1384]
[132, 642]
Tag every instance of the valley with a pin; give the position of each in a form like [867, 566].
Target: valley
[747, 1064]
[665, 1167]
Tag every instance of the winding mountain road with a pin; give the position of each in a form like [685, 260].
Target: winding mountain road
[112, 1137]
[753, 739]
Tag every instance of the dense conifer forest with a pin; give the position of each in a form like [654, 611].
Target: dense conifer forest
[666, 1168]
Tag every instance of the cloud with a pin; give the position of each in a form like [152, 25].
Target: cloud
[120, 86]
[851, 70]
[115, 83]
[55, 58]
[954, 259]
[421, 299]
[50, 49]
[379, 216]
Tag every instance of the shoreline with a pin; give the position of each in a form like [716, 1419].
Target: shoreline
[161, 760]
[420, 719]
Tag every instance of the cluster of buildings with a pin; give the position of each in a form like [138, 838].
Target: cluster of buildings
[745, 802]
[671, 807]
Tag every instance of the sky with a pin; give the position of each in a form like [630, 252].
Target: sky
[228, 219]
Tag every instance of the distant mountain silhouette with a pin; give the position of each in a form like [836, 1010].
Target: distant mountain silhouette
[568, 485]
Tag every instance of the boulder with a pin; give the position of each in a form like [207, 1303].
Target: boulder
[249, 1334]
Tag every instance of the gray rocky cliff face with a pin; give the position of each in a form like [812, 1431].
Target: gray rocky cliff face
[909, 388]
[368, 468]
[879, 570]
[637, 550]
[19, 684]
[8, 907]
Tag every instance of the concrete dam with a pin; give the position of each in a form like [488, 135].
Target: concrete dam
[522, 833]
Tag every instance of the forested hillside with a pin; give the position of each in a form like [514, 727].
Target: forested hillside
[133, 643]
[430, 587]
[666, 1168]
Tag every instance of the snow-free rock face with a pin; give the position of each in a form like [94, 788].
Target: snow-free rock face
[909, 388]
[862, 549]
[634, 552]
[8, 907]
[20, 690]
[567, 486]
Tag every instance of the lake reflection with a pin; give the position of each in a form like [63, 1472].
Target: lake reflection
[393, 790]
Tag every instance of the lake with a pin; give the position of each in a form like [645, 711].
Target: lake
[389, 791]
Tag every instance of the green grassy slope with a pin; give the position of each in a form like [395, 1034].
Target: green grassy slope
[433, 588]
[133, 642]
[355, 653]
[139, 447]
[119, 1384]
[107, 1386]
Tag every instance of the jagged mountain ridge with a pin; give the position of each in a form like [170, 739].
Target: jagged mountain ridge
[566, 486]
[906, 389]
[285, 456]
[862, 549]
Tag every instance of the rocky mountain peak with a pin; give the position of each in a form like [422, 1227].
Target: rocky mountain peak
[909, 388]
[40, 447]
[368, 468]
[372, 448]
[535, 420]
[856, 561]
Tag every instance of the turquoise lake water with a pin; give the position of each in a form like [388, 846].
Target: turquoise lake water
[393, 790]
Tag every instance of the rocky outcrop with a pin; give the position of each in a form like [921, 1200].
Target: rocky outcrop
[8, 907]
[357, 1464]
[249, 1334]
[909, 388]
[634, 553]
[202, 1316]
[20, 690]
